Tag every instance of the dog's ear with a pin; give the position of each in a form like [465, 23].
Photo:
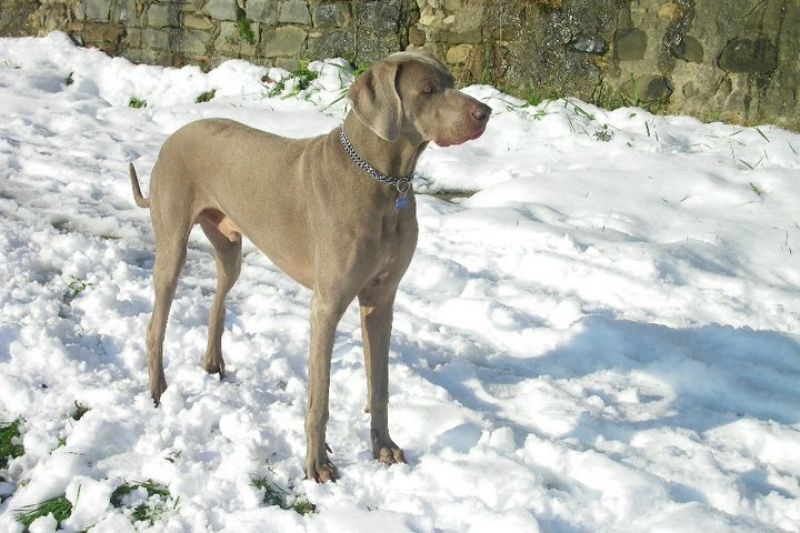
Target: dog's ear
[376, 102]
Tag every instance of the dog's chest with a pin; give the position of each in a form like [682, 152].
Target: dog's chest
[397, 236]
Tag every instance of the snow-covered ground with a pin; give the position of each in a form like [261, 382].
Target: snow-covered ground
[605, 337]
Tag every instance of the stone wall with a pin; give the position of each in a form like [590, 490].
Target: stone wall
[732, 60]
[735, 60]
[207, 32]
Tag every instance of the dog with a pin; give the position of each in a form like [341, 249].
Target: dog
[335, 212]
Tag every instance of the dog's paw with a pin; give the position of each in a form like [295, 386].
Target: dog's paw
[321, 472]
[385, 450]
[214, 365]
[389, 455]
[157, 388]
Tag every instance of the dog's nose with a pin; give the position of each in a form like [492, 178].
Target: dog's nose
[480, 112]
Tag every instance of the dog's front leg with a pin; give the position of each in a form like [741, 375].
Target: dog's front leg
[325, 315]
[376, 304]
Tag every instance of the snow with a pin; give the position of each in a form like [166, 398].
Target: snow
[604, 337]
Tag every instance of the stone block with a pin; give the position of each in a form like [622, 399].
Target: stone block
[162, 16]
[333, 15]
[589, 44]
[658, 90]
[294, 12]
[133, 38]
[265, 11]
[287, 63]
[457, 37]
[194, 42]
[416, 36]
[79, 11]
[105, 36]
[98, 10]
[150, 56]
[670, 11]
[378, 26]
[197, 22]
[284, 41]
[630, 45]
[191, 6]
[222, 9]
[751, 56]
[690, 49]
[380, 16]
[155, 39]
[459, 54]
[131, 13]
[332, 43]
[231, 42]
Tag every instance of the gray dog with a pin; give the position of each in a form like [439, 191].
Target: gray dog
[335, 212]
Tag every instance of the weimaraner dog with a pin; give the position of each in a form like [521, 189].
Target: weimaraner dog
[334, 212]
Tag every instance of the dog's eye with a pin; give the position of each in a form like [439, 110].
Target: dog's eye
[427, 90]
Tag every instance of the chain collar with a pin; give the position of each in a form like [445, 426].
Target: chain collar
[402, 184]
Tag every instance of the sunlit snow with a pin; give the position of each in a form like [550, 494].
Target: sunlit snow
[604, 337]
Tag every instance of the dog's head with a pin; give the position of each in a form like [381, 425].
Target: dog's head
[413, 94]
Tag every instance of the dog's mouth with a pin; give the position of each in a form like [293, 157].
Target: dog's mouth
[471, 135]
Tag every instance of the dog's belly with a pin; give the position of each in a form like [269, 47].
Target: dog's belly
[297, 266]
[223, 223]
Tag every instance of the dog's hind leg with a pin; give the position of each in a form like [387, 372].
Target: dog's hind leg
[229, 265]
[171, 226]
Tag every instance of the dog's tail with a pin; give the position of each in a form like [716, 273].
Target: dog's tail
[140, 200]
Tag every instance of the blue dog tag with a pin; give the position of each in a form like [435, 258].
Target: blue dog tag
[401, 202]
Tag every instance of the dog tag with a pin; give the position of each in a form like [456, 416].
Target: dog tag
[401, 202]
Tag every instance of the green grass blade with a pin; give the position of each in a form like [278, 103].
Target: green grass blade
[59, 506]
[9, 442]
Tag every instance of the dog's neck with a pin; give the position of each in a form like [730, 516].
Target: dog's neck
[394, 158]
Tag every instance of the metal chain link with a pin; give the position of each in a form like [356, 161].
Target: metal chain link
[369, 169]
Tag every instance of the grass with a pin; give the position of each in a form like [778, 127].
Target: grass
[751, 166]
[9, 442]
[206, 96]
[153, 489]
[136, 103]
[603, 134]
[302, 77]
[156, 505]
[449, 195]
[243, 25]
[80, 410]
[283, 498]
[607, 97]
[756, 189]
[533, 96]
[278, 88]
[74, 288]
[579, 110]
[360, 69]
[60, 507]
